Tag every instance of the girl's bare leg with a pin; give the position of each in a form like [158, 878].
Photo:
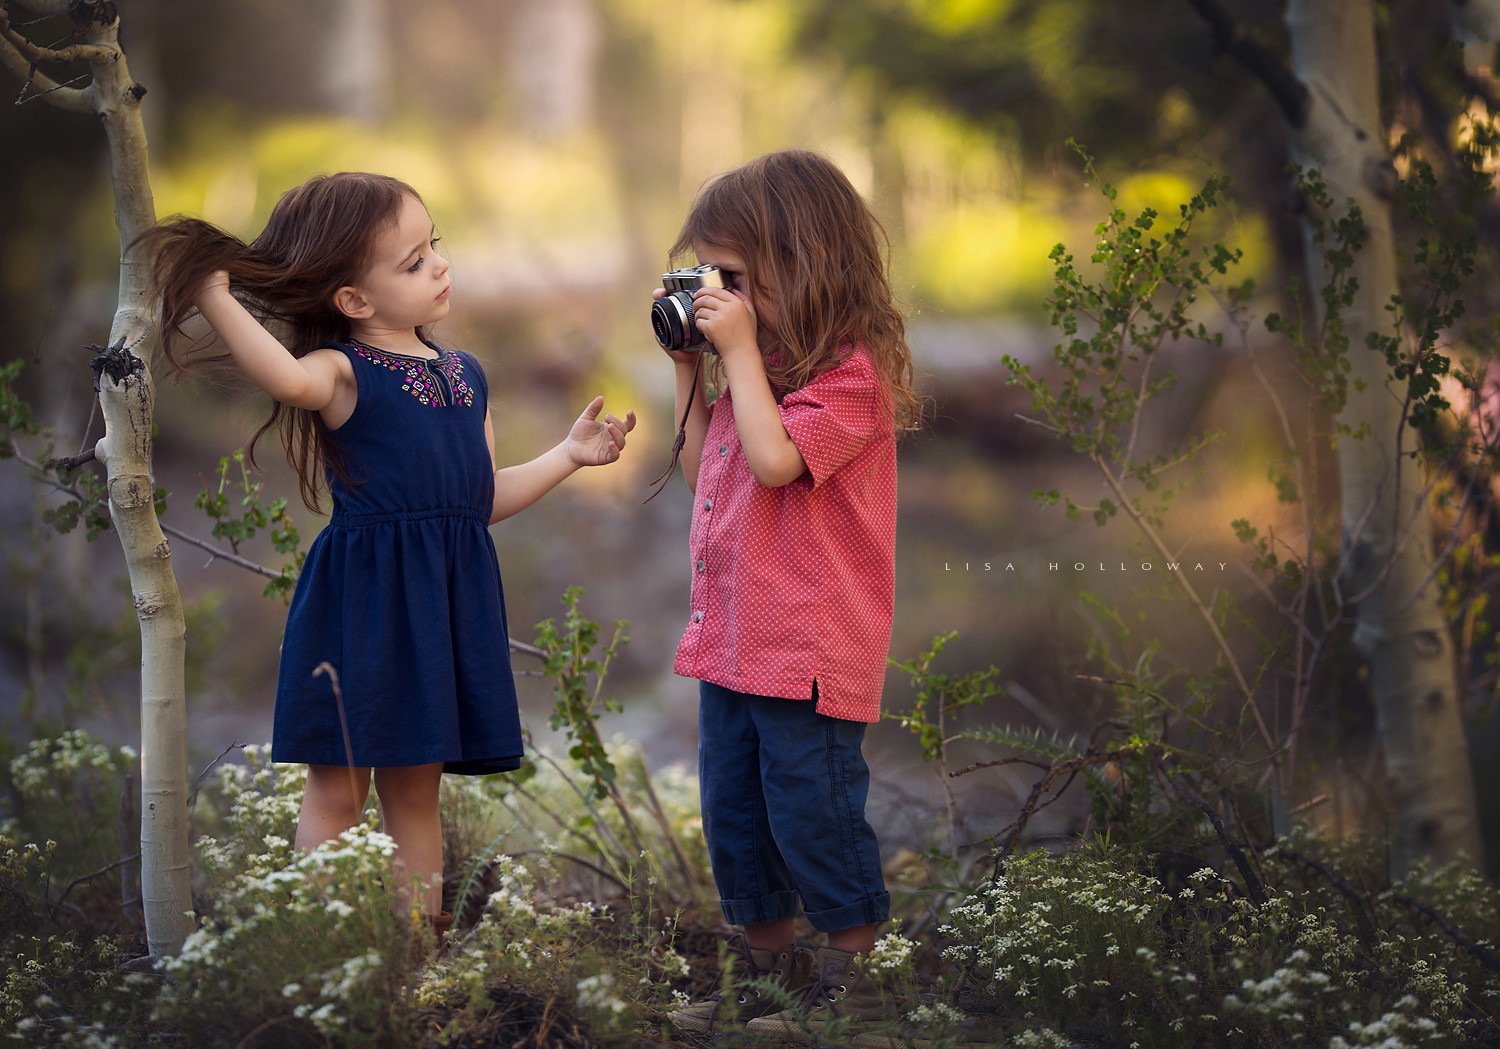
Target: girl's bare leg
[409, 809]
[334, 799]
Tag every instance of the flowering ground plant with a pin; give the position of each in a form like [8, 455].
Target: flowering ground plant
[1093, 941]
[57, 790]
[575, 969]
[318, 948]
[248, 814]
[69, 990]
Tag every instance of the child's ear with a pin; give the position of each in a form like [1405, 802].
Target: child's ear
[351, 302]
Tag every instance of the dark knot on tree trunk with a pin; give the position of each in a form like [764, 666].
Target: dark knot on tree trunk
[86, 12]
[115, 361]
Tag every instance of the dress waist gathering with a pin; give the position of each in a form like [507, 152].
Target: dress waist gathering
[356, 520]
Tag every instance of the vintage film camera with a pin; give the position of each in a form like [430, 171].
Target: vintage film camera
[672, 314]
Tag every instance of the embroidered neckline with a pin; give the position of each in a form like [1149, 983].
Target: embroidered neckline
[435, 381]
[441, 353]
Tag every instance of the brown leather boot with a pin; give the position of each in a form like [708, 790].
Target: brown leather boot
[789, 968]
[840, 988]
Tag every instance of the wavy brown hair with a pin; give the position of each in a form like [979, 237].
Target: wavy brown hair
[812, 244]
[319, 237]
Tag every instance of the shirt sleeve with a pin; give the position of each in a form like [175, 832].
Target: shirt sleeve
[832, 418]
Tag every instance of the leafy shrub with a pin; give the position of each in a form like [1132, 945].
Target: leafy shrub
[65, 789]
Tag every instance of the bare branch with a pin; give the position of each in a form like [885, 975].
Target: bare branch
[70, 463]
[529, 650]
[1477, 949]
[1052, 773]
[198, 783]
[1186, 587]
[1359, 899]
[62, 900]
[1056, 430]
[996, 763]
[83, 102]
[1230, 38]
[1180, 784]
[1363, 908]
[575, 859]
[73, 99]
[219, 552]
[73, 53]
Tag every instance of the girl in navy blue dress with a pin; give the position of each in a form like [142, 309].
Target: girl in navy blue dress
[400, 593]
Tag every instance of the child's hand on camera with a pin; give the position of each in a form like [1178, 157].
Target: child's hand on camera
[595, 442]
[726, 319]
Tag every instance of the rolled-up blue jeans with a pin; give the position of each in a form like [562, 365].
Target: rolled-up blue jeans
[783, 792]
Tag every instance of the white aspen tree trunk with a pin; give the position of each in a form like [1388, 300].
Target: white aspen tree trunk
[358, 73]
[1400, 627]
[126, 402]
[553, 52]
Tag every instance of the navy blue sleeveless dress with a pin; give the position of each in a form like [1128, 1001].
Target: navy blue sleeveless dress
[401, 591]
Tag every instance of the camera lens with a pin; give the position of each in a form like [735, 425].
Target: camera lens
[672, 321]
[661, 324]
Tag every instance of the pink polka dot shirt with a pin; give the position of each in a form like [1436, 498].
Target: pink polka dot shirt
[796, 584]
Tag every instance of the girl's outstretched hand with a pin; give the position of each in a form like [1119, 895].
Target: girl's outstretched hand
[593, 441]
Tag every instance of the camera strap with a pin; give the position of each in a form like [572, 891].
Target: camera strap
[666, 475]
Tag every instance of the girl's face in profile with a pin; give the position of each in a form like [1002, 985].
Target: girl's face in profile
[732, 267]
[407, 282]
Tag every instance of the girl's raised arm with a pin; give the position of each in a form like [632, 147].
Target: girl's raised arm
[313, 382]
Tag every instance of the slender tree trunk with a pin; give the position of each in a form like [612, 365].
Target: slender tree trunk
[1401, 629]
[125, 450]
[123, 379]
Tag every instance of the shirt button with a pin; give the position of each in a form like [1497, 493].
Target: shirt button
[697, 617]
[700, 566]
[723, 449]
[708, 504]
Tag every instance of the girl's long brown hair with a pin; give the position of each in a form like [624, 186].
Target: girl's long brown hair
[813, 245]
[319, 238]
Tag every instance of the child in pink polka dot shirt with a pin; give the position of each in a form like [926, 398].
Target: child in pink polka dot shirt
[793, 473]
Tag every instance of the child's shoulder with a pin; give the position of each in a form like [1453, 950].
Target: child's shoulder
[855, 366]
[336, 354]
